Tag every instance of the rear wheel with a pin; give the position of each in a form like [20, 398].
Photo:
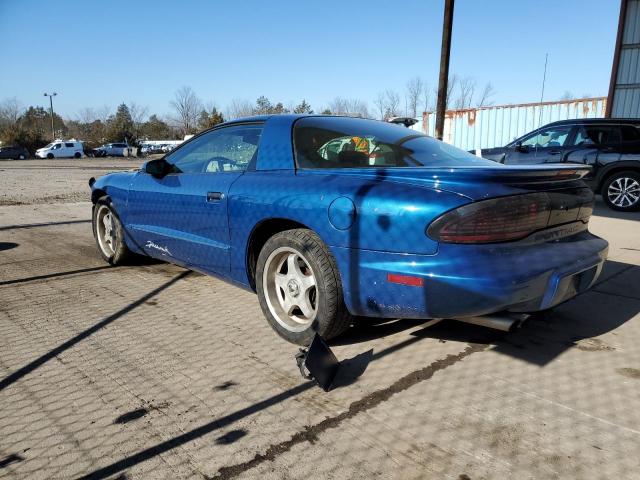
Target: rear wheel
[109, 234]
[299, 287]
[621, 191]
[77, 155]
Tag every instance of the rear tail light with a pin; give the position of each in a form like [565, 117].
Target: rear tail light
[510, 218]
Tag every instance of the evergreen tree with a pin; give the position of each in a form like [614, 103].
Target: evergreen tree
[209, 119]
[303, 107]
[121, 128]
[263, 106]
[156, 129]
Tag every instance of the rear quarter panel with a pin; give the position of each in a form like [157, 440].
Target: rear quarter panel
[366, 214]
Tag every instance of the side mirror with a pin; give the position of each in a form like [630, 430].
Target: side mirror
[157, 168]
[522, 148]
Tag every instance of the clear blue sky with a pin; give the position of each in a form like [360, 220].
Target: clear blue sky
[97, 53]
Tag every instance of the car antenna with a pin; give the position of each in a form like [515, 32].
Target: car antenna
[544, 79]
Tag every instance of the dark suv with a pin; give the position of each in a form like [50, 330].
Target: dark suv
[14, 152]
[610, 146]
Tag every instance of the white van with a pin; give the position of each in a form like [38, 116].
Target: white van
[61, 149]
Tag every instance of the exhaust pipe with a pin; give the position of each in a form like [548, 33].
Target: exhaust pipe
[504, 322]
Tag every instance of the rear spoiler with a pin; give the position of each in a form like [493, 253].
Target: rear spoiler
[525, 174]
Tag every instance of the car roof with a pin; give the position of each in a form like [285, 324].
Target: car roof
[588, 121]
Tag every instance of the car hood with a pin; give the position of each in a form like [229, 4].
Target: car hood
[476, 182]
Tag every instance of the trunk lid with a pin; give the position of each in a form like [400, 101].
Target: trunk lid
[476, 182]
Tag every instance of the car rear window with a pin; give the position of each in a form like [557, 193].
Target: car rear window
[343, 142]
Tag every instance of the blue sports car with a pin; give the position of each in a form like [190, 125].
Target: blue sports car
[330, 217]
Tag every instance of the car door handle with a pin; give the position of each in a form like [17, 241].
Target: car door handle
[214, 196]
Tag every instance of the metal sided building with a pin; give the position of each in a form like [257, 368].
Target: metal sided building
[495, 126]
[624, 88]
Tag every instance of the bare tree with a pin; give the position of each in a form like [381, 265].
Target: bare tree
[10, 111]
[238, 108]
[426, 99]
[466, 89]
[393, 104]
[381, 102]
[388, 104]
[451, 86]
[415, 89]
[103, 113]
[567, 95]
[349, 106]
[187, 107]
[485, 96]
[87, 115]
[139, 113]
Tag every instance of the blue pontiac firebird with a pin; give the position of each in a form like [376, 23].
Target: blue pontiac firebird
[330, 217]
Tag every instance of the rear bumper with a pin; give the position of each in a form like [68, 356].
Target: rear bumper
[470, 280]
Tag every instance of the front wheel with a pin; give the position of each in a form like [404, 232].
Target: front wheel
[49, 156]
[109, 234]
[621, 191]
[299, 287]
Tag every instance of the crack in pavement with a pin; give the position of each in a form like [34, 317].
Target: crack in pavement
[311, 433]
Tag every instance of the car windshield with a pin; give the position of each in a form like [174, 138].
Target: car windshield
[342, 142]
[48, 146]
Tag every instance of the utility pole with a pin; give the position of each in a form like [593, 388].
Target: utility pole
[51, 95]
[447, 26]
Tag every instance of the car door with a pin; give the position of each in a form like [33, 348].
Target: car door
[546, 145]
[182, 216]
[57, 150]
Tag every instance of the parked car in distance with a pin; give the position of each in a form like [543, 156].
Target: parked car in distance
[14, 153]
[111, 150]
[61, 149]
[145, 149]
[168, 147]
[329, 217]
[610, 146]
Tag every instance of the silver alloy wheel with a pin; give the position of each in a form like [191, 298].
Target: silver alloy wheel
[106, 231]
[290, 289]
[624, 192]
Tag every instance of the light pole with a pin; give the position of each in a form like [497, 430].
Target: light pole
[51, 95]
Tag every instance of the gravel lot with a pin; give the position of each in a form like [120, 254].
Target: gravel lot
[151, 371]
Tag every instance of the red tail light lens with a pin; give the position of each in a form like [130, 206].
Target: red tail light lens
[495, 220]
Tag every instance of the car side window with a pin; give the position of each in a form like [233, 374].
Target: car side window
[548, 137]
[57, 146]
[630, 133]
[70, 145]
[597, 135]
[226, 149]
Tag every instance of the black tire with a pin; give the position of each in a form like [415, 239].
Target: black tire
[77, 155]
[332, 317]
[119, 254]
[49, 156]
[610, 188]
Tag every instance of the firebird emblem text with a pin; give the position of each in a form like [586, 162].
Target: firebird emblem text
[164, 250]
